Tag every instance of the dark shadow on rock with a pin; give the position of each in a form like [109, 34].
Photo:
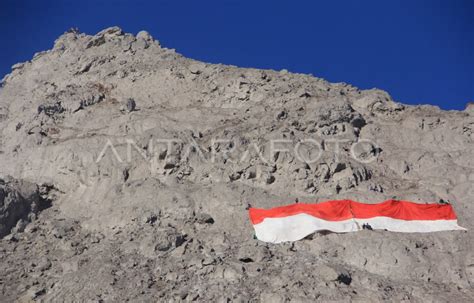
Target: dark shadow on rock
[20, 202]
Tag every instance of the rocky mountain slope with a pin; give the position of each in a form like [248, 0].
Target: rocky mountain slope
[126, 170]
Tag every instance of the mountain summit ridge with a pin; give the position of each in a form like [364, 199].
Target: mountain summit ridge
[151, 199]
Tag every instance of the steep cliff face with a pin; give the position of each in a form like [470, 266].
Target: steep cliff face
[150, 160]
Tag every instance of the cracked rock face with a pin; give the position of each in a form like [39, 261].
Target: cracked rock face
[19, 203]
[149, 197]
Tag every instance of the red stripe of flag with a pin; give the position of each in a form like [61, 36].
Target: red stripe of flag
[339, 210]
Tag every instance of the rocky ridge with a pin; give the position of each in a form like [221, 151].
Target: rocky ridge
[147, 161]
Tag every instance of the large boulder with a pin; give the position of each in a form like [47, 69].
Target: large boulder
[19, 202]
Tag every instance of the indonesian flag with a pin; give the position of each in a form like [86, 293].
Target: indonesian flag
[296, 221]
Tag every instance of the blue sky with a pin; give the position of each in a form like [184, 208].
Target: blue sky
[418, 51]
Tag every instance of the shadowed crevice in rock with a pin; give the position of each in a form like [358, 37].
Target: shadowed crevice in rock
[20, 202]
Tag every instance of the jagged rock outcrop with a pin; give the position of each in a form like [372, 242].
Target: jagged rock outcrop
[150, 196]
[19, 204]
